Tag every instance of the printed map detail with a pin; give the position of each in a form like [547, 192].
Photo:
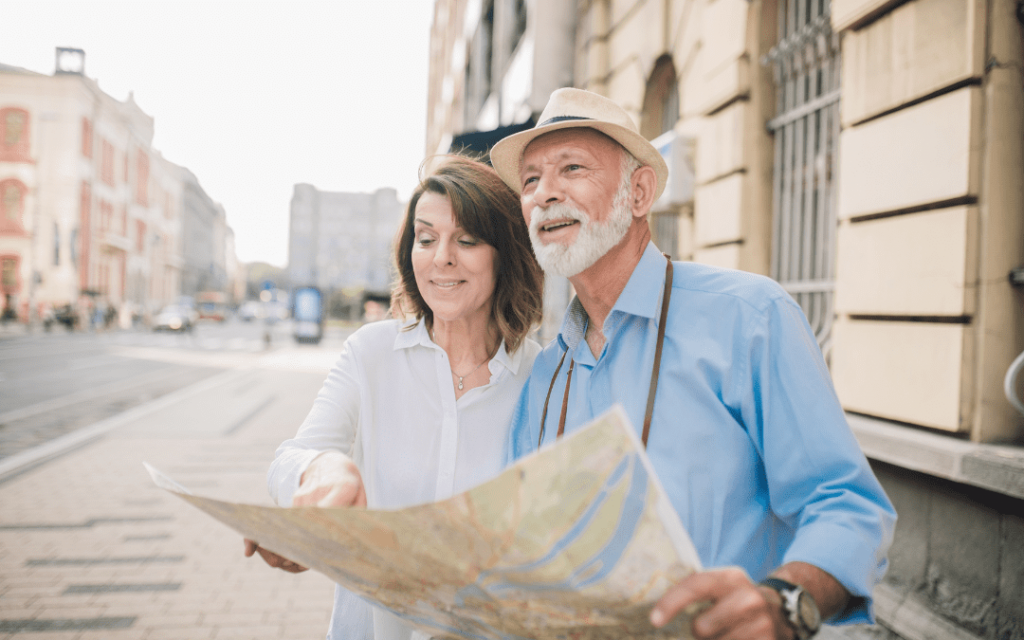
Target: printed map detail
[577, 541]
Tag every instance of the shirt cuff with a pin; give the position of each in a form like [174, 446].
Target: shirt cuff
[286, 473]
[849, 556]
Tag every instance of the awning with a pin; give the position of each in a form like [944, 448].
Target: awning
[480, 142]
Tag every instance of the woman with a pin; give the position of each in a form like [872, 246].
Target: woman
[417, 410]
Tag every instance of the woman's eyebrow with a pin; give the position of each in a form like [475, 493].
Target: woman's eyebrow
[422, 221]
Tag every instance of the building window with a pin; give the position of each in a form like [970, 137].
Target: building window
[660, 115]
[140, 236]
[14, 130]
[9, 275]
[12, 206]
[86, 138]
[806, 67]
[106, 162]
[661, 100]
[142, 178]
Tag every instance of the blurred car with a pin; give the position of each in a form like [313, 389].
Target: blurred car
[175, 318]
[250, 310]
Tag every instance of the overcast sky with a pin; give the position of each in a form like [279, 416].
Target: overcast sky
[254, 96]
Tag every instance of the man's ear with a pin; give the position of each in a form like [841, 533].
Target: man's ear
[645, 182]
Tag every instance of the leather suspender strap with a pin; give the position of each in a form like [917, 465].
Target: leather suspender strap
[666, 296]
[544, 414]
[657, 351]
[565, 399]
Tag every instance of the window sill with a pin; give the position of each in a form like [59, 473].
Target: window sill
[997, 468]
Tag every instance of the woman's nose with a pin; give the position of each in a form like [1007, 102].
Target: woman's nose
[445, 253]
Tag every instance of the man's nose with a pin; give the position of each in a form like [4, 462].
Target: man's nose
[548, 192]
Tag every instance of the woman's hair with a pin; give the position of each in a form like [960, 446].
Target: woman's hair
[488, 210]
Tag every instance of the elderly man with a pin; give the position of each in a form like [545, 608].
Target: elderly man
[720, 367]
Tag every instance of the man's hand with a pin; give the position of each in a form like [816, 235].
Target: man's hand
[739, 609]
[331, 480]
[271, 558]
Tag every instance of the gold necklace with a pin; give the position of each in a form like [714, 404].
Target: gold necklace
[487, 359]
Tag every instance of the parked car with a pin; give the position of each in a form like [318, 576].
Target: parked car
[250, 310]
[175, 318]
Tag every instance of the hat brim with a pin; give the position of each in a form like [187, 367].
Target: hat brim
[507, 154]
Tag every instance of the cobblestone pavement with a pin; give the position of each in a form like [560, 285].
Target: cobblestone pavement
[89, 548]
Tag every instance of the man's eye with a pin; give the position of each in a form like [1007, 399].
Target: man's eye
[530, 180]
[574, 167]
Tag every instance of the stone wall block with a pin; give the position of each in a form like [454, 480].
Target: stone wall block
[918, 48]
[718, 210]
[911, 497]
[923, 154]
[850, 14]
[962, 581]
[720, 143]
[1011, 575]
[920, 264]
[726, 256]
[906, 371]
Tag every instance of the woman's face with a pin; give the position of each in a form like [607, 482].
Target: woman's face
[455, 272]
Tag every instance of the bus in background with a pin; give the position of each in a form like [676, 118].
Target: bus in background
[308, 315]
[212, 305]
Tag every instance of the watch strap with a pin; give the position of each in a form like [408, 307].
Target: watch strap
[791, 595]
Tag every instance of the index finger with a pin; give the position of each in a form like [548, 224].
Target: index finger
[707, 586]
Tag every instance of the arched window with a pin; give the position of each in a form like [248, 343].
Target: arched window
[12, 206]
[661, 100]
[660, 114]
[14, 130]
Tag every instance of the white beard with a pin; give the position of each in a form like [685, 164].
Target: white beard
[593, 240]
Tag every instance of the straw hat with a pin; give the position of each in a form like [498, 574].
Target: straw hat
[578, 108]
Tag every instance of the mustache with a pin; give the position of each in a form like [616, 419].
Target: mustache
[557, 211]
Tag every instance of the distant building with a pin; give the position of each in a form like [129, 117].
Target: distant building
[341, 241]
[91, 215]
[88, 206]
[203, 224]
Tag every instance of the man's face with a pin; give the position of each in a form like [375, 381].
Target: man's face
[575, 198]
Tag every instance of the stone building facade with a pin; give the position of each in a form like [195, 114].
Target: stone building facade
[91, 215]
[868, 155]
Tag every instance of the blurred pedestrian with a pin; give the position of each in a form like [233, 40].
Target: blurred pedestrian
[417, 408]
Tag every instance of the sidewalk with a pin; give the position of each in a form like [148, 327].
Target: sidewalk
[89, 548]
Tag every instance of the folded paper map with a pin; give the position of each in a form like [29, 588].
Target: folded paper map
[577, 541]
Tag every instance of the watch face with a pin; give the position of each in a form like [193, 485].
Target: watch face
[809, 614]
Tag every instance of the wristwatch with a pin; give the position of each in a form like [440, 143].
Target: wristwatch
[799, 607]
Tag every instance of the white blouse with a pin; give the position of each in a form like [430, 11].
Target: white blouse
[389, 403]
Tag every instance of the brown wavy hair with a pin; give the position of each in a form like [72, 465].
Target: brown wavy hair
[488, 210]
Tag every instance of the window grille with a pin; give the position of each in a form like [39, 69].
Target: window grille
[806, 67]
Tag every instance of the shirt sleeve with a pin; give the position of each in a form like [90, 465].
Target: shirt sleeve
[330, 426]
[819, 481]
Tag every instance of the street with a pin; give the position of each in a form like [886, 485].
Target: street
[89, 548]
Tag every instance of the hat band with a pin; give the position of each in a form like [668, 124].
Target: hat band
[561, 119]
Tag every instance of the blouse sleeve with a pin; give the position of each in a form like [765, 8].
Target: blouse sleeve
[330, 426]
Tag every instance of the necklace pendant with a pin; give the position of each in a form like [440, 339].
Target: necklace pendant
[460, 383]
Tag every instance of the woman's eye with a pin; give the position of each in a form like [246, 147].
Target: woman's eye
[469, 242]
[424, 240]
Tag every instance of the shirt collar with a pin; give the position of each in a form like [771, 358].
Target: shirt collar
[419, 336]
[640, 297]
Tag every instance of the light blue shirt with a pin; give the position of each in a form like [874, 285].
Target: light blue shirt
[748, 437]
